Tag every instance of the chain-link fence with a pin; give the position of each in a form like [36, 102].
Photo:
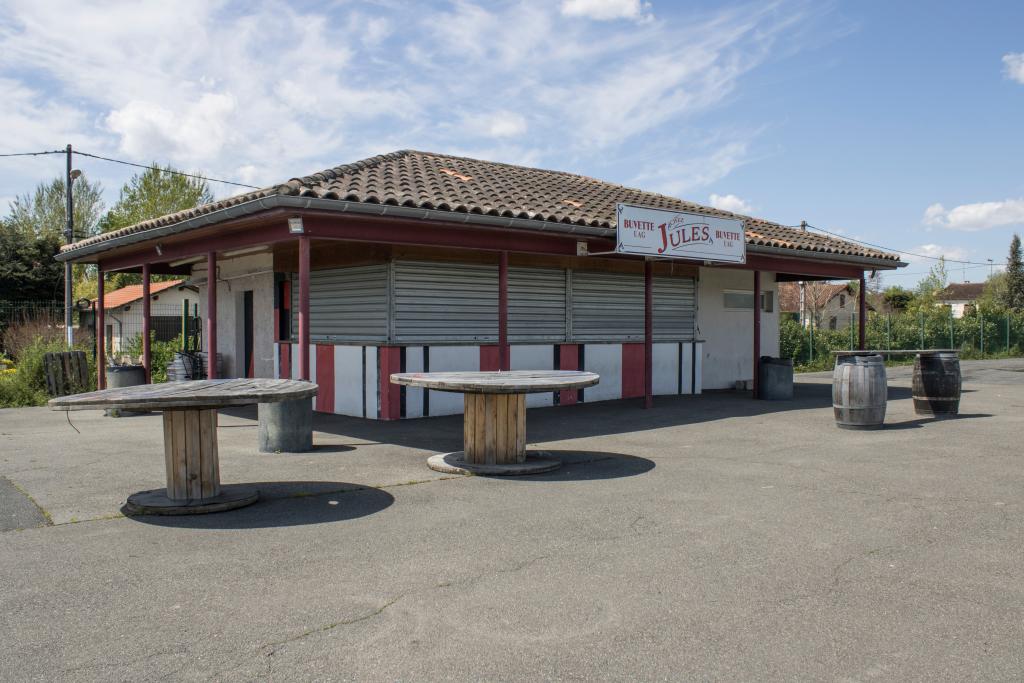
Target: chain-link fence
[976, 335]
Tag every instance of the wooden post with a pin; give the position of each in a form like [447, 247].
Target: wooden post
[101, 332]
[146, 351]
[494, 429]
[304, 307]
[504, 360]
[863, 305]
[211, 315]
[648, 334]
[757, 332]
[190, 454]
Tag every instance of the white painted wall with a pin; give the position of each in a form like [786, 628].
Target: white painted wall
[534, 357]
[606, 361]
[451, 359]
[729, 351]
[236, 275]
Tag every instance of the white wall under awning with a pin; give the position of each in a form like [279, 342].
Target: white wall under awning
[729, 334]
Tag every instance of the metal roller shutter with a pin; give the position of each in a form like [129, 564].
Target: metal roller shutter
[536, 305]
[444, 302]
[675, 307]
[607, 307]
[345, 304]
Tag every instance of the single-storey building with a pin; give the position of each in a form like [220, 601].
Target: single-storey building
[414, 261]
[123, 312]
[960, 296]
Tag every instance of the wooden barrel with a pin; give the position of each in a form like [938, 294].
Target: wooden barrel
[937, 384]
[859, 392]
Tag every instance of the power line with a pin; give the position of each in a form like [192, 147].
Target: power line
[32, 154]
[900, 251]
[164, 170]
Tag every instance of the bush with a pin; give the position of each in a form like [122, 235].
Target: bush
[26, 386]
[161, 354]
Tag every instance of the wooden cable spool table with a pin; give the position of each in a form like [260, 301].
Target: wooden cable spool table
[190, 436]
[494, 421]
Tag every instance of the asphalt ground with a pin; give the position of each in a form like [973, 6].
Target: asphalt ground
[712, 538]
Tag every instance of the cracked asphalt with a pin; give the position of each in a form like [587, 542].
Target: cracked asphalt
[712, 537]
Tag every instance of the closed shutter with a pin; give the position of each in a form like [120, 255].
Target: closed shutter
[345, 304]
[607, 306]
[675, 306]
[536, 304]
[445, 302]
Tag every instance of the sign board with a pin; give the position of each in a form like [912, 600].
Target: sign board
[678, 234]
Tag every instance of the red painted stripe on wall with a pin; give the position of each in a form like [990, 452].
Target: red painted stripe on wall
[284, 362]
[325, 378]
[390, 394]
[490, 358]
[632, 370]
[568, 359]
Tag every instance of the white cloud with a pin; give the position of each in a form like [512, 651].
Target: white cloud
[605, 10]
[676, 178]
[197, 84]
[935, 251]
[979, 216]
[497, 124]
[730, 202]
[1013, 66]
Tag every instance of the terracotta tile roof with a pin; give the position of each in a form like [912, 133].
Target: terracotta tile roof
[447, 183]
[962, 291]
[126, 295]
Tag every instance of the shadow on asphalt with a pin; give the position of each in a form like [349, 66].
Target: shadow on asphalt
[588, 466]
[286, 503]
[444, 434]
[922, 421]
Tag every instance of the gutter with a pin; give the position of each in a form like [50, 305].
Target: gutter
[362, 208]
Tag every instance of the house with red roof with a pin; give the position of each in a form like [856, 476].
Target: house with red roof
[123, 311]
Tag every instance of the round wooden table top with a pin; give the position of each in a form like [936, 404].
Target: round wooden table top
[503, 382]
[203, 393]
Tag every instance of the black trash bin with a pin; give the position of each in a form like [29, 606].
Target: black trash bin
[120, 376]
[775, 379]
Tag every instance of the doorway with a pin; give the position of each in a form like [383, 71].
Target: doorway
[247, 326]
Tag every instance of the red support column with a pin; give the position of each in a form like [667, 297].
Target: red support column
[757, 332]
[863, 305]
[147, 356]
[101, 332]
[648, 334]
[211, 315]
[304, 307]
[504, 360]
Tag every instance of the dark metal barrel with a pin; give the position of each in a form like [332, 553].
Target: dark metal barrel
[937, 384]
[775, 379]
[859, 392]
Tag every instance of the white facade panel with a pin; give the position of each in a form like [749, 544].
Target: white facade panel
[666, 369]
[413, 395]
[348, 380]
[372, 388]
[534, 357]
[451, 359]
[606, 361]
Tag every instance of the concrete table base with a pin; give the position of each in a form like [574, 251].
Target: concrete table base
[286, 426]
[156, 502]
[535, 462]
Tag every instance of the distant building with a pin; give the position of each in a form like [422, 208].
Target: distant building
[124, 311]
[828, 304]
[960, 295]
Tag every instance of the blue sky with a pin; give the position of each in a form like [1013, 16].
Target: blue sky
[896, 123]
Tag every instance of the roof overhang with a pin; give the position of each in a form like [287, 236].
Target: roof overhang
[343, 207]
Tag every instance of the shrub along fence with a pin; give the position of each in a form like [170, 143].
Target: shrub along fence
[976, 335]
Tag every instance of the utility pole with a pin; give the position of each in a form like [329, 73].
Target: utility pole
[69, 237]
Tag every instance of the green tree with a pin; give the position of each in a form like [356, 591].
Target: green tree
[897, 298]
[153, 193]
[44, 212]
[934, 282]
[1014, 291]
[27, 267]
